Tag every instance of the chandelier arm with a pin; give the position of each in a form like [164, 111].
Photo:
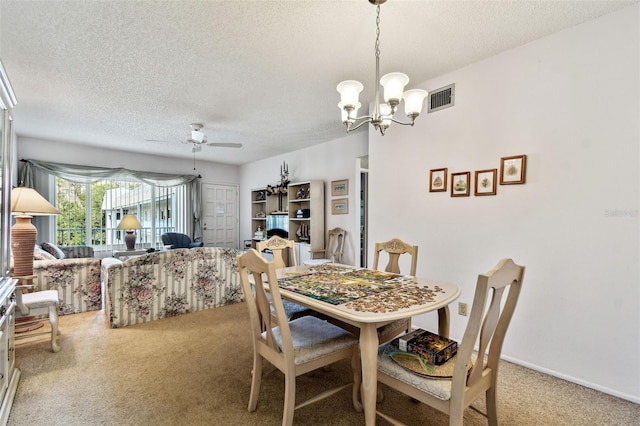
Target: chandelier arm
[404, 124]
[350, 129]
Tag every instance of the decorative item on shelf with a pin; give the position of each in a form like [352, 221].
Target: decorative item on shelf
[301, 194]
[303, 233]
[303, 213]
[261, 214]
[261, 196]
[284, 174]
[26, 203]
[259, 234]
[393, 84]
[129, 222]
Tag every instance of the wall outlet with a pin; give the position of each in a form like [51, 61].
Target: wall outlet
[462, 309]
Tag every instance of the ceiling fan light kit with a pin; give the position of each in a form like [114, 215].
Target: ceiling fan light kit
[393, 85]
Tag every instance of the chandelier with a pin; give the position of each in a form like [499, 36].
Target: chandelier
[393, 84]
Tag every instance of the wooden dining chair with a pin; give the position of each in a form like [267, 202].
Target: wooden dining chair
[284, 251]
[394, 249]
[333, 251]
[294, 347]
[284, 254]
[473, 373]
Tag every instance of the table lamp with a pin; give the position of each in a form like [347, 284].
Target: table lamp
[129, 222]
[26, 203]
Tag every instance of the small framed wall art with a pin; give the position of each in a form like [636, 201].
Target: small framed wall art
[438, 180]
[513, 169]
[340, 188]
[460, 184]
[485, 182]
[340, 206]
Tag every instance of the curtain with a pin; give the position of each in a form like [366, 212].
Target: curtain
[88, 174]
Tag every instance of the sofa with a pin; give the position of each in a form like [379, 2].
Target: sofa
[168, 283]
[77, 279]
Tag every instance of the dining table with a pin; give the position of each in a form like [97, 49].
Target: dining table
[366, 299]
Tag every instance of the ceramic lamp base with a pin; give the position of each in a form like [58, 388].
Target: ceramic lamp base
[23, 241]
[130, 240]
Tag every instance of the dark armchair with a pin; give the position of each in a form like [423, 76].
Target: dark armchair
[177, 240]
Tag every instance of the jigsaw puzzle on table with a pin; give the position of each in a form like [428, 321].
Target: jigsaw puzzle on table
[334, 288]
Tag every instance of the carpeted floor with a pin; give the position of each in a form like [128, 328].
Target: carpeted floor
[195, 370]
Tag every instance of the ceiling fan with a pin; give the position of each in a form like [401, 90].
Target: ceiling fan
[197, 138]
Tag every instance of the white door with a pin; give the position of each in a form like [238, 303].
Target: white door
[220, 215]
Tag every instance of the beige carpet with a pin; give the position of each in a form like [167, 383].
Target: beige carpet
[195, 370]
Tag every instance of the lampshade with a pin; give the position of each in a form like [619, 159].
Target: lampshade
[25, 203]
[393, 84]
[349, 92]
[129, 222]
[413, 101]
[386, 115]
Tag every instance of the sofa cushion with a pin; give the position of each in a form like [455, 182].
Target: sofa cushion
[40, 254]
[53, 249]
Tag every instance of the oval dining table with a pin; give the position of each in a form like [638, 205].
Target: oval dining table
[309, 286]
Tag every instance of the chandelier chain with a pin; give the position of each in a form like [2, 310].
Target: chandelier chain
[377, 47]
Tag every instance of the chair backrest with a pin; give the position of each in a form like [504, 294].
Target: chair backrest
[176, 239]
[394, 248]
[277, 245]
[335, 244]
[489, 320]
[266, 311]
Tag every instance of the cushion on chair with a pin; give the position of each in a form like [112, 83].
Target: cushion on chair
[53, 250]
[40, 254]
[40, 298]
[314, 338]
[314, 262]
[438, 385]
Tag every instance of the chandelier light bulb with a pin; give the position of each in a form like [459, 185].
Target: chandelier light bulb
[385, 115]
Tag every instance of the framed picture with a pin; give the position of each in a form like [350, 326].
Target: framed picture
[438, 180]
[340, 188]
[460, 184]
[340, 206]
[513, 169]
[485, 182]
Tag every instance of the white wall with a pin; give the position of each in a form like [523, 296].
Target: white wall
[333, 160]
[570, 102]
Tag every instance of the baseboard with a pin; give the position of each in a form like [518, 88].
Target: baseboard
[572, 379]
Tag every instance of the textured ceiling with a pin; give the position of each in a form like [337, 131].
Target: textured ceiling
[262, 73]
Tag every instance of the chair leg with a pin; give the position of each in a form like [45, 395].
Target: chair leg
[289, 399]
[492, 408]
[256, 380]
[53, 320]
[357, 380]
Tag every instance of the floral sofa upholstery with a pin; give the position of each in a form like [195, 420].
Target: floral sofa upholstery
[169, 283]
[77, 281]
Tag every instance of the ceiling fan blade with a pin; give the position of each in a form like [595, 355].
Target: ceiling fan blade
[156, 140]
[225, 144]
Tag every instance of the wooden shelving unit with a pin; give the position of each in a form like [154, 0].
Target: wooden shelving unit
[306, 213]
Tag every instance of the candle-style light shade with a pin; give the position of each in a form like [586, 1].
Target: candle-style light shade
[349, 92]
[393, 84]
[26, 203]
[413, 101]
[129, 222]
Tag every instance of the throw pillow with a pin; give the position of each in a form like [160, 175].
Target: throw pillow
[53, 249]
[39, 254]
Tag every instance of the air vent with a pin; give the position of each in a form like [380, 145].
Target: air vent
[442, 98]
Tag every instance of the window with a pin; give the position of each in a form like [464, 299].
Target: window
[91, 212]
